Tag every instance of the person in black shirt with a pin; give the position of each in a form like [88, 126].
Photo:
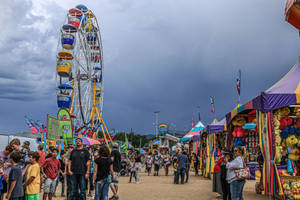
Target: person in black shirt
[116, 159]
[102, 172]
[225, 184]
[79, 169]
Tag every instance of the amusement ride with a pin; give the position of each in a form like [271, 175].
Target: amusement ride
[80, 73]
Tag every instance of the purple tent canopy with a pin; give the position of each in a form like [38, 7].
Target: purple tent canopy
[283, 93]
[217, 127]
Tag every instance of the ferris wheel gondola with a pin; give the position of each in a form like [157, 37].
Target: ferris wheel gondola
[80, 68]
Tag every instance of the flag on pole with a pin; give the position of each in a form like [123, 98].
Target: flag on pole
[199, 116]
[192, 123]
[238, 82]
[212, 102]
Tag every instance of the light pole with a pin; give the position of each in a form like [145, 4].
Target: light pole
[156, 122]
[174, 128]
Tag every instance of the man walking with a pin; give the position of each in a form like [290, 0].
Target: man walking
[116, 159]
[182, 160]
[79, 169]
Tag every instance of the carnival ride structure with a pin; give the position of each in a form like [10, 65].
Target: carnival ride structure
[80, 73]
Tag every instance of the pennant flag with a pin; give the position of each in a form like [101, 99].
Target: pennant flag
[212, 102]
[31, 125]
[192, 123]
[238, 82]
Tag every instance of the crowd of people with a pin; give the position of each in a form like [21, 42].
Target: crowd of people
[83, 171]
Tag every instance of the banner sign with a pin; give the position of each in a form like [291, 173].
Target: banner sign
[65, 127]
[58, 128]
[53, 128]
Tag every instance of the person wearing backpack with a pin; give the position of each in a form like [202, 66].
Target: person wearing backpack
[236, 184]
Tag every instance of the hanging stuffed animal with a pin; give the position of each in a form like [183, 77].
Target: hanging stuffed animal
[239, 121]
[285, 111]
[284, 122]
[239, 132]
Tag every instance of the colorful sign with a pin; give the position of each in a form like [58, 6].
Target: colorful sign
[65, 126]
[63, 114]
[53, 130]
[163, 129]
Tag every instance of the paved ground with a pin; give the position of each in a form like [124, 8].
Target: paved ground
[162, 188]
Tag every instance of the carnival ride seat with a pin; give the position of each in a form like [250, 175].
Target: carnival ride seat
[293, 14]
[63, 98]
[98, 95]
[65, 55]
[95, 57]
[69, 28]
[75, 21]
[91, 38]
[82, 7]
[75, 12]
[67, 41]
[63, 68]
[97, 68]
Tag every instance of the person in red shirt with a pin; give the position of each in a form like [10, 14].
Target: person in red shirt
[42, 155]
[50, 172]
[217, 185]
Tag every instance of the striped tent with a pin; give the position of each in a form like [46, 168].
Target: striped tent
[194, 131]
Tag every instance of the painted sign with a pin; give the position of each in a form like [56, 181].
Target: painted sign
[53, 128]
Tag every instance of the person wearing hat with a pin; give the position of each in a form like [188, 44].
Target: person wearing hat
[79, 169]
[116, 159]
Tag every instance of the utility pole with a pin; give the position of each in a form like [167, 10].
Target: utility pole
[156, 122]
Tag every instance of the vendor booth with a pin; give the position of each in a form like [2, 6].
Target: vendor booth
[216, 141]
[278, 124]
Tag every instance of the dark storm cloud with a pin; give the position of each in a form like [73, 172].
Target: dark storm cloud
[159, 55]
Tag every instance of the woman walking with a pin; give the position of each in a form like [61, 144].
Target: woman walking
[102, 172]
[167, 162]
[236, 186]
[138, 165]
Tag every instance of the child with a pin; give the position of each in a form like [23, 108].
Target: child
[33, 179]
[176, 175]
[51, 168]
[149, 163]
[15, 187]
[132, 169]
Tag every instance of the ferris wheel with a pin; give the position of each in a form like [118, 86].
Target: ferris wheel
[79, 76]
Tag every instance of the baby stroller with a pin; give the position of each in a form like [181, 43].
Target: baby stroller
[124, 168]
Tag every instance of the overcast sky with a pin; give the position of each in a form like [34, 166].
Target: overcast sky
[168, 55]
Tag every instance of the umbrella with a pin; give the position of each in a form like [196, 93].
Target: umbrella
[89, 141]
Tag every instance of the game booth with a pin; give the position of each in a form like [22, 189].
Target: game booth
[278, 127]
[216, 141]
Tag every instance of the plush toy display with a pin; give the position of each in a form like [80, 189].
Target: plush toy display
[284, 122]
[239, 132]
[239, 121]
